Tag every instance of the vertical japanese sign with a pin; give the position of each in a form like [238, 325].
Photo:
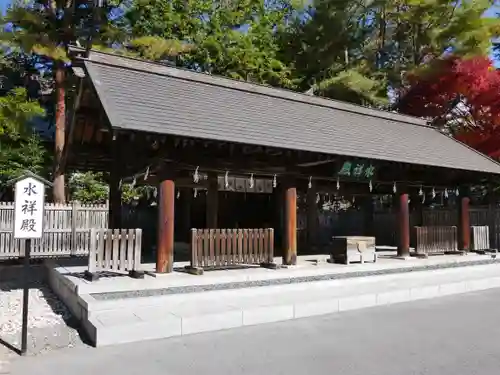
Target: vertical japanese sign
[28, 208]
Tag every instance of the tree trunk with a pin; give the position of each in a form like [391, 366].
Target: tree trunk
[58, 189]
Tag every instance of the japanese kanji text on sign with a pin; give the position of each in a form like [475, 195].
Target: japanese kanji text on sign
[28, 210]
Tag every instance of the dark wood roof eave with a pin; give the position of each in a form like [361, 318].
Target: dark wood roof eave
[136, 95]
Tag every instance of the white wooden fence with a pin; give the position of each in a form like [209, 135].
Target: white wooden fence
[480, 238]
[115, 250]
[66, 230]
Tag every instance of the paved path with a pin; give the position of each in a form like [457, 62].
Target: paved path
[445, 336]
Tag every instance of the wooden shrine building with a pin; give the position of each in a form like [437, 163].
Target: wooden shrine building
[187, 131]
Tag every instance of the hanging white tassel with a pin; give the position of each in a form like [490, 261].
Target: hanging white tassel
[310, 185]
[120, 184]
[195, 193]
[226, 180]
[317, 198]
[251, 182]
[394, 188]
[178, 194]
[146, 175]
[353, 199]
[457, 192]
[338, 184]
[446, 193]
[420, 192]
[433, 194]
[196, 175]
[370, 186]
[423, 199]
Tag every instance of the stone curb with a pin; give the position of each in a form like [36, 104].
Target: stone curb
[283, 281]
[171, 324]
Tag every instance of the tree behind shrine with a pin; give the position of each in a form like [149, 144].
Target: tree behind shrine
[45, 29]
[358, 51]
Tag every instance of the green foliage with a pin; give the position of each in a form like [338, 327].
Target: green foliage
[91, 187]
[19, 154]
[132, 193]
[88, 187]
[356, 51]
[236, 39]
[16, 112]
[20, 148]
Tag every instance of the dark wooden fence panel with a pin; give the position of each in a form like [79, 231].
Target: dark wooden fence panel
[436, 240]
[227, 247]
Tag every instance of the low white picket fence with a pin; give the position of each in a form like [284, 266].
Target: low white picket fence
[115, 250]
[66, 230]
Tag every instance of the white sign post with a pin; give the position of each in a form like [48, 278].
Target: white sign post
[29, 204]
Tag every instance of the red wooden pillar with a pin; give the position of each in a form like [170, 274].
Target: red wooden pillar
[165, 245]
[464, 222]
[212, 201]
[404, 225]
[290, 225]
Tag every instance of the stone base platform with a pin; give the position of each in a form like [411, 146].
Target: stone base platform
[118, 309]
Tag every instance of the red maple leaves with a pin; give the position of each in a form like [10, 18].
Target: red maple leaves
[463, 89]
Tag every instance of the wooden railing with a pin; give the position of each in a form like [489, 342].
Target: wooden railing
[480, 238]
[66, 230]
[436, 240]
[213, 248]
[116, 250]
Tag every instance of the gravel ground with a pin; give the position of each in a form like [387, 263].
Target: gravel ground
[50, 325]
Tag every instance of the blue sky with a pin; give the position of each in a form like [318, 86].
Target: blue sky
[4, 4]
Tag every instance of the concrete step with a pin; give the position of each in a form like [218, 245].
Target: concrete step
[141, 318]
[257, 275]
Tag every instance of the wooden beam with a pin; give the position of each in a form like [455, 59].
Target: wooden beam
[165, 244]
[404, 225]
[464, 220]
[290, 227]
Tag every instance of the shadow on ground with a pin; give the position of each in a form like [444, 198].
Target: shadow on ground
[61, 328]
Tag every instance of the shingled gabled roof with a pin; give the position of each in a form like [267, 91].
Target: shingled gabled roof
[144, 96]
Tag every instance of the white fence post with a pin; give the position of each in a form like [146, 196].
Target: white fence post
[92, 250]
[74, 210]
